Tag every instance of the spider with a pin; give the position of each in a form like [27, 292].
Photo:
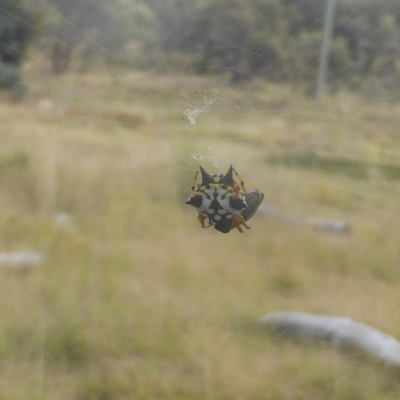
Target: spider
[223, 201]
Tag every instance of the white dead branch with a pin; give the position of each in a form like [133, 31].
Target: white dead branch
[64, 219]
[341, 332]
[314, 222]
[20, 259]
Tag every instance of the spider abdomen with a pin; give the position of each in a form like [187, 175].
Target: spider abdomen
[221, 201]
[218, 204]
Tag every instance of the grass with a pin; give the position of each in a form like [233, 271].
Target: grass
[134, 299]
[355, 169]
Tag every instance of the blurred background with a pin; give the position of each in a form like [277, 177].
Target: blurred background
[110, 289]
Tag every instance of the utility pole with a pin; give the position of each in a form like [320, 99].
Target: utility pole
[325, 50]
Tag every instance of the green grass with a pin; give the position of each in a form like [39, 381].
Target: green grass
[355, 169]
[134, 299]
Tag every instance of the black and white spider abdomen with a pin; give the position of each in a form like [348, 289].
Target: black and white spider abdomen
[222, 201]
[217, 204]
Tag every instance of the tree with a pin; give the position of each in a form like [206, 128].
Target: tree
[69, 21]
[94, 26]
[15, 22]
[281, 39]
[243, 38]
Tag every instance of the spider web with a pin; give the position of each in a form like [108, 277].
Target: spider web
[329, 171]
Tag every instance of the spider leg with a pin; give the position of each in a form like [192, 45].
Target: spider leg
[194, 181]
[237, 221]
[242, 188]
[202, 218]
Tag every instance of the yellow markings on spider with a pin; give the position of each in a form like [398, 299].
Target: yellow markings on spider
[223, 201]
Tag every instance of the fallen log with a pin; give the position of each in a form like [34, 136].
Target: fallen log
[334, 226]
[21, 259]
[341, 332]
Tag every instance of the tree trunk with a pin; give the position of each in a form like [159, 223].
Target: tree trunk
[61, 56]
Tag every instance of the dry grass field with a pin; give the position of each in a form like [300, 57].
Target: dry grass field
[134, 300]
